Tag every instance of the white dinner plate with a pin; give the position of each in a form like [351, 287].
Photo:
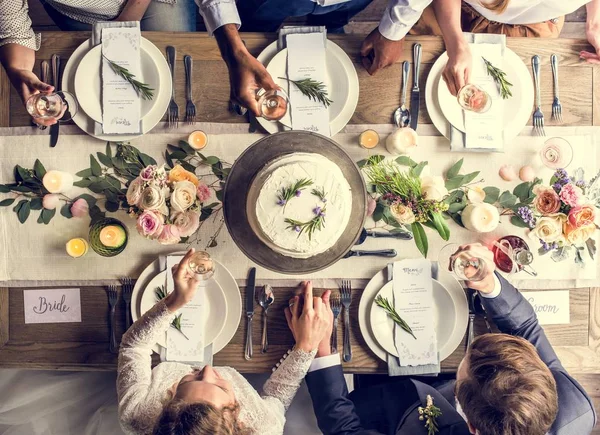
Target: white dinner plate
[456, 292]
[342, 86]
[215, 306]
[444, 110]
[226, 282]
[161, 98]
[88, 82]
[444, 319]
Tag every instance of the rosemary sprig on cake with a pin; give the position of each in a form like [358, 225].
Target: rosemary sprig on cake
[313, 89]
[160, 294]
[295, 190]
[315, 224]
[499, 77]
[384, 303]
[319, 192]
[142, 89]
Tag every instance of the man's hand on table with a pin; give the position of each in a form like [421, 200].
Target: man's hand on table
[593, 37]
[379, 52]
[488, 284]
[186, 284]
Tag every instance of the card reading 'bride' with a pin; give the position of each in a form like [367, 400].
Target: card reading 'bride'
[413, 300]
[121, 106]
[306, 60]
[187, 345]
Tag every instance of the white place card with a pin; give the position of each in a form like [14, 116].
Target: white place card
[121, 106]
[306, 59]
[52, 305]
[413, 300]
[551, 307]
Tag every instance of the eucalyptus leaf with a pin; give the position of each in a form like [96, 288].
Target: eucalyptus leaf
[406, 161]
[469, 177]
[187, 166]
[113, 182]
[82, 183]
[108, 150]
[457, 207]
[111, 206]
[104, 159]
[441, 226]
[219, 195]
[146, 159]
[23, 174]
[39, 169]
[518, 222]
[47, 215]
[560, 254]
[85, 173]
[178, 155]
[205, 213]
[419, 168]
[507, 199]
[420, 238]
[455, 169]
[65, 210]
[455, 196]
[456, 217]
[24, 212]
[169, 160]
[591, 247]
[454, 183]
[212, 160]
[17, 207]
[36, 204]
[21, 188]
[378, 212]
[95, 166]
[491, 194]
[186, 147]
[4, 189]
[522, 191]
[7, 202]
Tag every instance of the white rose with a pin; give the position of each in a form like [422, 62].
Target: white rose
[433, 188]
[403, 214]
[134, 192]
[549, 229]
[183, 196]
[153, 198]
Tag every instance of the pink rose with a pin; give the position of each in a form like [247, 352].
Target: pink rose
[148, 173]
[582, 215]
[80, 208]
[371, 204]
[203, 192]
[570, 195]
[134, 192]
[169, 235]
[50, 201]
[150, 224]
[187, 222]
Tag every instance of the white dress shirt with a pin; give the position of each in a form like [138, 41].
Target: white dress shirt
[528, 11]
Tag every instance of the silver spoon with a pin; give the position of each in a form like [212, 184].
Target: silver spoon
[266, 298]
[402, 115]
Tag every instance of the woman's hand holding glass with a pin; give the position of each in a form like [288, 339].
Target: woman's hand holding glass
[186, 284]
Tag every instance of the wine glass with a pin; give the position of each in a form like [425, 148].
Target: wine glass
[556, 153]
[58, 105]
[512, 255]
[471, 97]
[201, 265]
[272, 104]
[464, 265]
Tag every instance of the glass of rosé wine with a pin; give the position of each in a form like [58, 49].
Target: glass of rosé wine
[272, 104]
[556, 153]
[471, 97]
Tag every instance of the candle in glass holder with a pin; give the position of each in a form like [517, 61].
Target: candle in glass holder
[201, 265]
[57, 181]
[77, 247]
[198, 139]
[112, 236]
[368, 139]
[480, 218]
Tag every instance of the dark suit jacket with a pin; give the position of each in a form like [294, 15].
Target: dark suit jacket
[510, 311]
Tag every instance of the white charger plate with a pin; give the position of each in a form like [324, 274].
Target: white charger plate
[444, 319]
[215, 305]
[444, 110]
[162, 98]
[448, 281]
[226, 282]
[88, 82]
[342, 86]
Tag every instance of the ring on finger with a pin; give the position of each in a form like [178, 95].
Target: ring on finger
[291, 304]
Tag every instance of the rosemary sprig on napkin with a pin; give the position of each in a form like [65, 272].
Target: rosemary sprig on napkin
[499, 77]
[142, 89]
[160, 294]
[382, 302]
[313, 89]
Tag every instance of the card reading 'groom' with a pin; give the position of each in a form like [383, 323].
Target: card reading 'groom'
[413, 300]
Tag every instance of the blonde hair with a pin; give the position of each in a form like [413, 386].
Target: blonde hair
[508, 389]
[497, 6]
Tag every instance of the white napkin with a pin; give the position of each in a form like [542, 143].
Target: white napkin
[290, 30]
[121, 105]
[306, 59]
[484, 131]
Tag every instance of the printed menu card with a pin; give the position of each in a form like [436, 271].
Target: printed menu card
[121, 106]
[413, 300]
[187, 345]
[306, 60]
[484, 130]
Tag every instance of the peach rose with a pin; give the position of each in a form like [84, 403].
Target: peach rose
[582, 215]
[578, 235]
[546, 200]
[179, 174]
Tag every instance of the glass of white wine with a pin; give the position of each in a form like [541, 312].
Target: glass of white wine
[464, 265]
[201, 265]
[272, 104]
[556, 153]
[58, 105]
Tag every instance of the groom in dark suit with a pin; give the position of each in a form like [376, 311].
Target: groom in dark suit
[507, 384]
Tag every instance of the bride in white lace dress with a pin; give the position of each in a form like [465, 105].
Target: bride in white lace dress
[175, 398]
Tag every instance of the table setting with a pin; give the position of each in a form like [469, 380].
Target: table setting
[366, 209]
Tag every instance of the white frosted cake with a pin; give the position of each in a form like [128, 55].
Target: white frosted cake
[289, 226]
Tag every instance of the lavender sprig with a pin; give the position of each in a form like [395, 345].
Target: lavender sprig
[526, 214]
[315, 224]
[319, 192]
[295, 190]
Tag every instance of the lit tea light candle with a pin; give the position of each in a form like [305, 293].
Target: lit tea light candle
[57, 181]
[77, 247]
[113, 236]
[368, 139]
[198, 139]
[480, 218]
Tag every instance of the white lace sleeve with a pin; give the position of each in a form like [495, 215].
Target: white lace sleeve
[286, 379]
[135, 369]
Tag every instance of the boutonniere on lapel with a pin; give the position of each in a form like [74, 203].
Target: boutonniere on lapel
[429, 415]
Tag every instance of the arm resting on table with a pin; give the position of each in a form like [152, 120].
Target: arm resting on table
[400, 16]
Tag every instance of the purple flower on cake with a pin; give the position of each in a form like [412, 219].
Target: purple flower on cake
[203, 192]
[319, 211]
[150, 224]
[297, 228]
[298, 193]
[80, 208]
[570, 195]
[187, 223]
[281, 202]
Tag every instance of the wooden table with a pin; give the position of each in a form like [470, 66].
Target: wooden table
[84, 346]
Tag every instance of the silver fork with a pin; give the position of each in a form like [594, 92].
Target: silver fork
[336, 307]
[127, 284]
[190, 107]
[346, 296]
[538, 116]
[111, 291]
[556, 106]
[173, 113]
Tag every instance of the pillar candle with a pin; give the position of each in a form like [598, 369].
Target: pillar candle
[480, 218]
[57, 181]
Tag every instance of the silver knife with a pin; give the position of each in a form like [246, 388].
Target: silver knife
[415, 95]
[55, 63]
[250, 288]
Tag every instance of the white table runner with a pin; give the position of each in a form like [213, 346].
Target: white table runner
[34, 254]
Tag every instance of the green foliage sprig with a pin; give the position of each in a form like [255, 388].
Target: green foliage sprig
[384, 303]
[160, 294]
[499, 77]
[315, 224]
[313, 89]
[429, 414]
[287, 193]
[142, 89]
[319, 192]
